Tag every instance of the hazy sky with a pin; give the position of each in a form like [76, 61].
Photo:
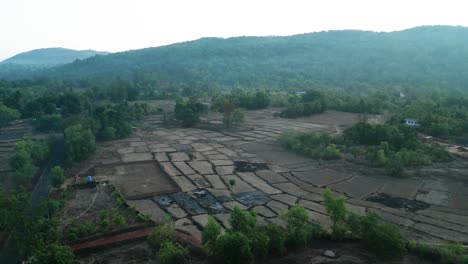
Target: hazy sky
[117, 25]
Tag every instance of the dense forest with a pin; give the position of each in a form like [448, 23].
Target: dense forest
[422, 57]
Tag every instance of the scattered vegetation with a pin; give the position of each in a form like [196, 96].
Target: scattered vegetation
[391, 146]
[448, 253]
[315, 145]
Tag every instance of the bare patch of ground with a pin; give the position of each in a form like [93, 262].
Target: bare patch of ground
[137, 180]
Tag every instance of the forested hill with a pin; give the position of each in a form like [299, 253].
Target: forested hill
[430, 56]
[50, 56]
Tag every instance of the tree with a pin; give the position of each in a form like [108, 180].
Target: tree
[48, 122]
[331, 152]
[25, 173]
[27, 154]
[7, 114]
[210, 233]
[188, 112]
[79, 143]
[237, 116]
[228, 109]
[57, 178]
[394, 166]
[71, 103]
[336, 209]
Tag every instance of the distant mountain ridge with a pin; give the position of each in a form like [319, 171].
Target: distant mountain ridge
[51, 56]
[427, 56]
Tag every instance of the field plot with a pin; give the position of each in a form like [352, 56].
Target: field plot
[137, 179]
[94, 210]
[210, 172]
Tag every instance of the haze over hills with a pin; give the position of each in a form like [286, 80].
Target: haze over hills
[428, 56]
[51, 56]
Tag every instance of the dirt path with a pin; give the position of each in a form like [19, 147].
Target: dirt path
[92, 201]
[128, 236]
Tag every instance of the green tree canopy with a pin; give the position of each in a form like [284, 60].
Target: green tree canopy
[79, 143]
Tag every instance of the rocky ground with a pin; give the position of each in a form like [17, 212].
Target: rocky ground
[429, 205]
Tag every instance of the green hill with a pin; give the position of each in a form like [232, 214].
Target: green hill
[51, 56]
[429, 56]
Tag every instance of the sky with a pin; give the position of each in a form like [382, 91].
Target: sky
[119, 25]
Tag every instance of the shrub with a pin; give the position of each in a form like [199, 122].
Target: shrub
[53, 254]
[439, 154]
[232, 247]
[144, 217]
[119, 219]
[336, 209]
[382, 238]
[86, 228]
[449, 253]
[237, 116]
[57, 178]
[259, 243]
[172, 253]
[109, 133]
[331, 152]
[160, 234]
[276, 240]
[298, 229]
[243, 221]
[210, 233]
[395, 166]
[188, 111]
[381, 158]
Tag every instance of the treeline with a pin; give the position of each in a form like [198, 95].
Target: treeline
[311, 102]
[248, 99]
[245, 241]
[83, 116]
[439, 114]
